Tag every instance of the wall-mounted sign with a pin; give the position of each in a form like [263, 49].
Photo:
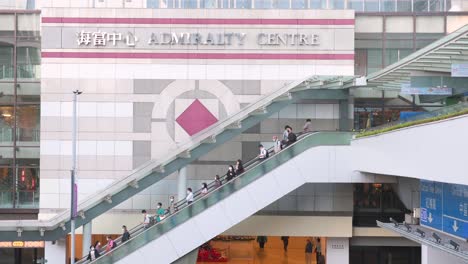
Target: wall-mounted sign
[100, 38]
[407, 89]
[444, 207]
[337, 246]
[460, 70]
[21, 244]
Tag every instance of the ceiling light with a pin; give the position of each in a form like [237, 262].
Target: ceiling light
[6, 115]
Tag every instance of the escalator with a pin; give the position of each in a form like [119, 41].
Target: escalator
[314, 88]
[192, 225]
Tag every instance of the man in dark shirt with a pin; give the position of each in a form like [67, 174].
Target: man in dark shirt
[291, 137]
[308, 251]
[126, 234]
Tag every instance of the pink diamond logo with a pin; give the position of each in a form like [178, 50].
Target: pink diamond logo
[196, 118]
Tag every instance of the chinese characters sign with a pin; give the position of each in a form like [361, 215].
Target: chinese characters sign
[86, 38]
[101, 39]
[445, 207]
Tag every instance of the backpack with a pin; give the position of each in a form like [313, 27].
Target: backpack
[293, 137]
[267, 153]
[114, 244]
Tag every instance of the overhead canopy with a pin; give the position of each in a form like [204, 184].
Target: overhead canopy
[436, 58]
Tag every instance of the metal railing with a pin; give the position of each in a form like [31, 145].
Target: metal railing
[212, 186]
[439, 112]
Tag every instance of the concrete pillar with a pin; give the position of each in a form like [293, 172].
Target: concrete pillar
[337, 250]
[182, 184]
[431, 255]
[87, 234]
[55, 252]
[345, 107]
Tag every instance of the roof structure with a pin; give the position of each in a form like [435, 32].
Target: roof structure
[435, 58]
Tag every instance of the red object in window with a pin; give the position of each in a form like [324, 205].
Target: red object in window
[23, 175]
[33, 184]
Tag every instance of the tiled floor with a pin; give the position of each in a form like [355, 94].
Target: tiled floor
[249, 252]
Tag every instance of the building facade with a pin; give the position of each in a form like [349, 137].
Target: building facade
[153, 73]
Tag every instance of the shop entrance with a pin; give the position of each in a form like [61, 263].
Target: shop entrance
[21, 255]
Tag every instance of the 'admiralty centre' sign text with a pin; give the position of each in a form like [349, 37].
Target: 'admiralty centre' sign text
[100, 38]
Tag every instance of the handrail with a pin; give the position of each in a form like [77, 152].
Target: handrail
[149, 166]
[198, 195]
[441, 111]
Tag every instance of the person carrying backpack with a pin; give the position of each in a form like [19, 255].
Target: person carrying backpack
[111, 244]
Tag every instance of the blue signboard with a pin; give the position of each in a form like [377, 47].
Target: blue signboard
[456, 210]
[431, 204]
[444, 207]
[459, 70]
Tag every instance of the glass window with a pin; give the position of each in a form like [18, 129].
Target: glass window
[208, 3]
[188, 3]
[337, 4]
[28, 124]
[6, 125]
[388, 6]
[374, 60]
[281, 4]
[28, 187]
[6, 60]
[243, 4]
[263, 4]
[404, 5]
[318, 4]
[436, 5]
[6, 186]
[298, 4]
[357, 5]
[372, 5]
[394, 55]
[28, 62]
[420, 6]
[153, 3]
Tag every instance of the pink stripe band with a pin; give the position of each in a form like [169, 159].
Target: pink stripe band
[197, 21]
[212, 56]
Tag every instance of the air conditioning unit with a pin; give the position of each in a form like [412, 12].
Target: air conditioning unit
[417, 213]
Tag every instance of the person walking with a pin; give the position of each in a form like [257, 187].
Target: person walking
[318, 248]
[307, 126]
[93, 253]
[204, 190]
[285, 133]
[146, 219]
[291, 137]
[277, 146]
[172, 205]
[261, 240]
[230, 173]
[308, 251]
[217, 181]
[125, 234]
[111, 244]
[239, 167]
[263, 152]
[285, 243]
[160, 213]
[189, 197]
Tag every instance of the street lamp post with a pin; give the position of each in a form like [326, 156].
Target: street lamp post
[74, 188]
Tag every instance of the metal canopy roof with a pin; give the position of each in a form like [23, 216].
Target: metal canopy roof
[434, 58]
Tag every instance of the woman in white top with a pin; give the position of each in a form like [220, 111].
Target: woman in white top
[204, 190]
[189, 197]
